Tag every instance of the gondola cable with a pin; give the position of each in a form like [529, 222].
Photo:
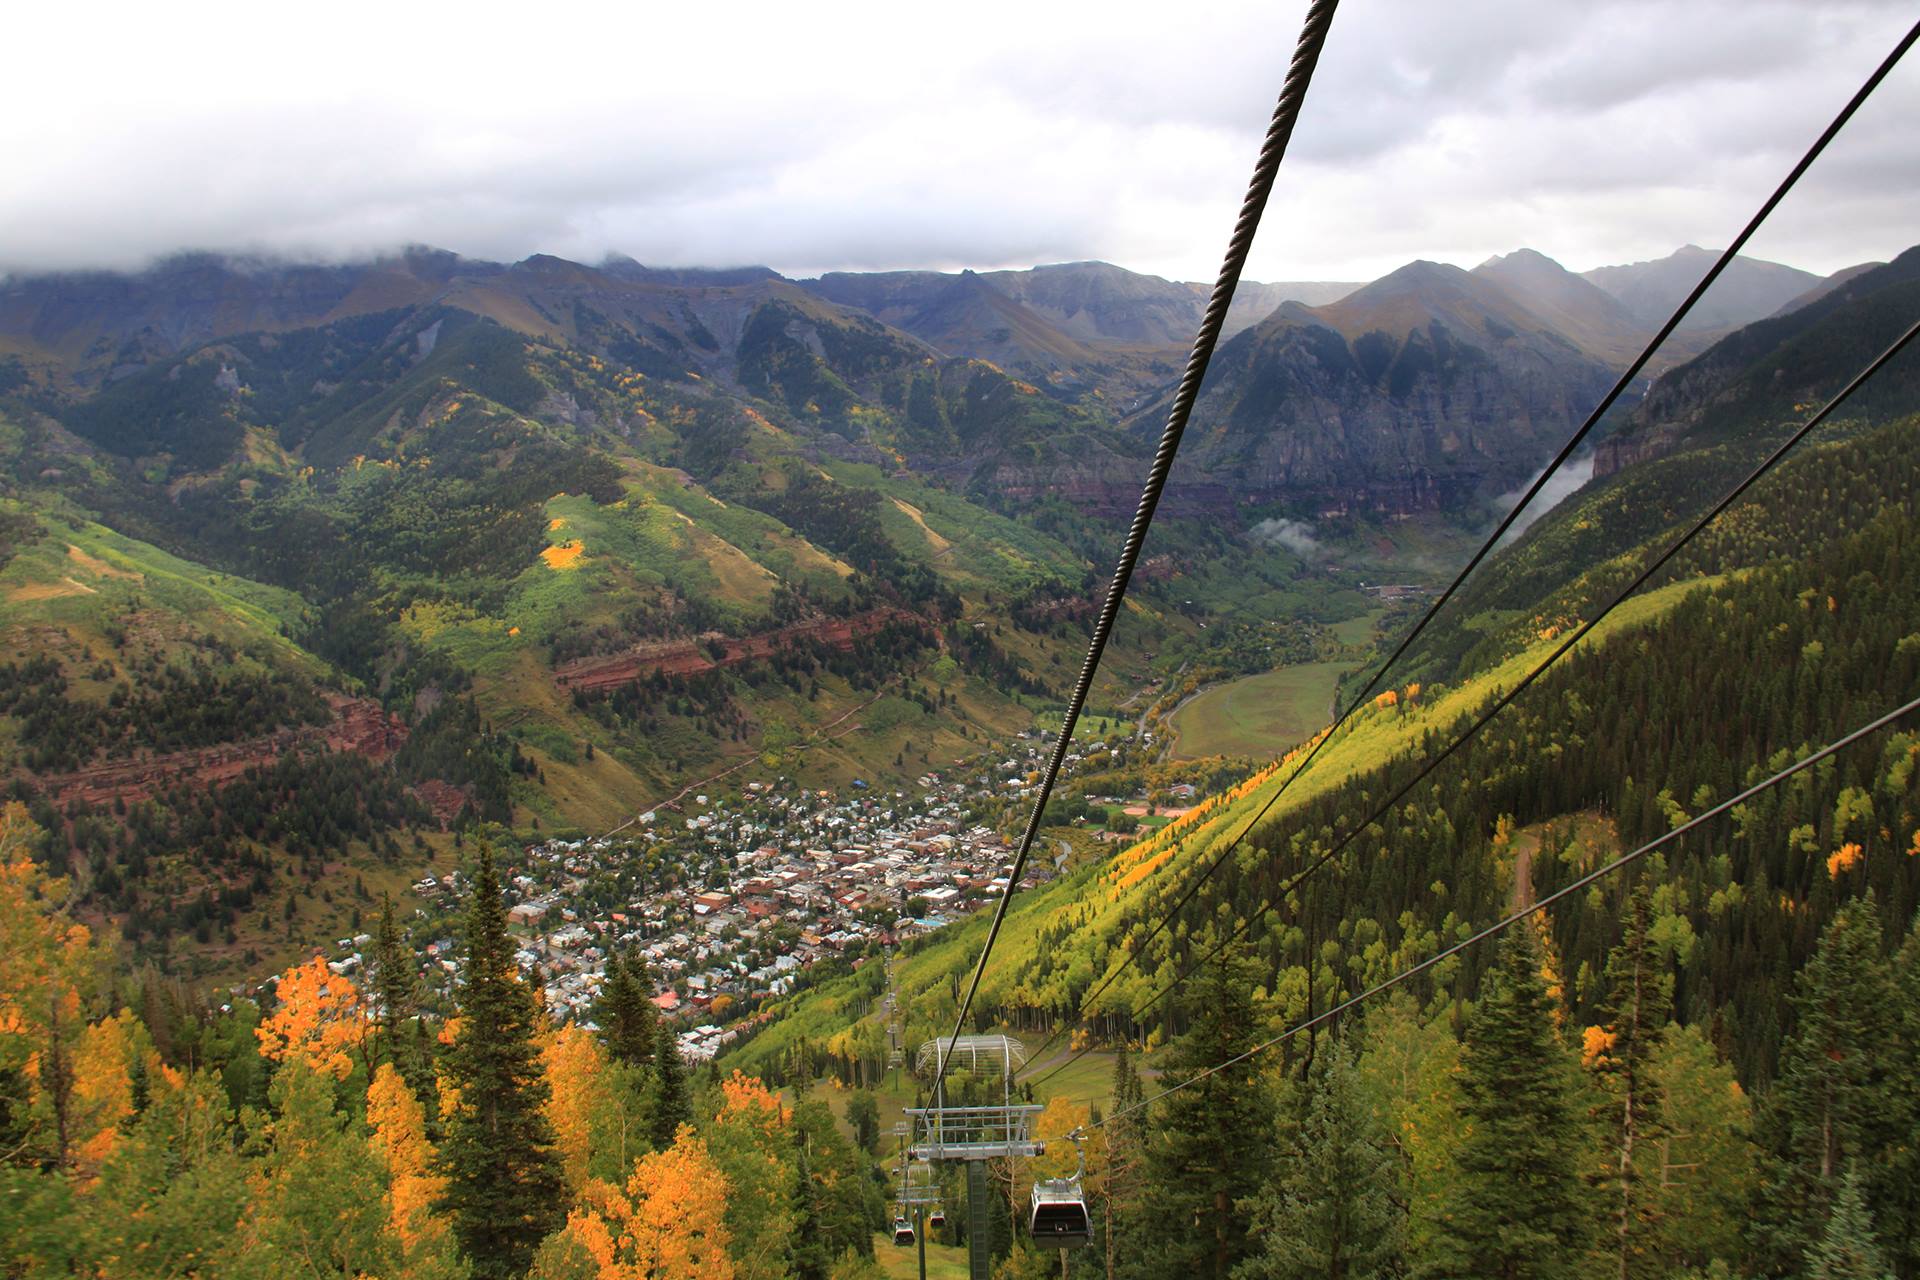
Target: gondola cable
[1832, 748]
[1506, 698]
[1286, 112]
[1487, 546]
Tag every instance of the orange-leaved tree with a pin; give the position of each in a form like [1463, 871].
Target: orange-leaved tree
[50, 971]
[320, 1020]
[399, 1138]
[667, 1223]
[576, 1069]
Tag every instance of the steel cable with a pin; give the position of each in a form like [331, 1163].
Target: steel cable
[1506, 698]
[1492, 540]
[1832, 748]
[1286, 112]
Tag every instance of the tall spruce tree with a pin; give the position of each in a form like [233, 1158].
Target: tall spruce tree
[625, 1011]
[1847, 1249]
[1124, 1166]
[1900, 1221]
[504, 1189]
[1211, 1143]
[1638, 1003]
[1516, 1207]
[672, 1104]
[1329, 1210]
[396, 992]
[1837, 1099]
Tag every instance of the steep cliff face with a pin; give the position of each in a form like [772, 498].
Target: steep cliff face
[1418, 391]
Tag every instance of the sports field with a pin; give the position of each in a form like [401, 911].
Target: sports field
[1259, 716]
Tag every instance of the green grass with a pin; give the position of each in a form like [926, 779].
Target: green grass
[84, 576]
[1091, 727]
[1258, 716]
[944, 1262]
[1357, 630]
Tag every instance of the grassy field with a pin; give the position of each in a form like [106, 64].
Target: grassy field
[944, 1262]
[1258, 716]
[1092, 726]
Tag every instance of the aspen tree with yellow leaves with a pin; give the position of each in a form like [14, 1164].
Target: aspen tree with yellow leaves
[668, 1222]
[319, 1020]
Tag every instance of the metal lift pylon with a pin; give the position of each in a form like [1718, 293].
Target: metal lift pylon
[977, 1132]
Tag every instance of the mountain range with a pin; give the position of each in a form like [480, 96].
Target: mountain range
[547, 543]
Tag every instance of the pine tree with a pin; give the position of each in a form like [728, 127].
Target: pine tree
[1899, 1205]
[1638, 1003]
[847, 1207]
[396, 992]
[504, 1189]
[863, 1117]
[625, 1011]
[1211, 1143]
[1837, 1099]
[1848, 1251]
[672, 1107]
[1124, 1171]
[1515, 1209]
[1330, 1211]
[811, 1258]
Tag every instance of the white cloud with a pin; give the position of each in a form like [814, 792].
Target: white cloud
[875, 135]
[1295, 535]
[1560, 486]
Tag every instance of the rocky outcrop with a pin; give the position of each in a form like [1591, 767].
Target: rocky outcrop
[359, 725]
[707, 652]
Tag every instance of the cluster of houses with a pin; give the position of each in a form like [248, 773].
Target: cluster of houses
[728, 900]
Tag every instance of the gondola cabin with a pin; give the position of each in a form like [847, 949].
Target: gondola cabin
[937, 1219]
[902, 1231]
[1059, 1218]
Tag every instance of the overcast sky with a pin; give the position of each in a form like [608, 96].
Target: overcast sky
[860, 136]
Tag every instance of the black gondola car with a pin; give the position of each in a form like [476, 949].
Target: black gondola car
[1059, 1218]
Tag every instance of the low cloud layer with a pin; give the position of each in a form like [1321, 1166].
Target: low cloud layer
[876, 135]
[1560, 486]
[1294, 535]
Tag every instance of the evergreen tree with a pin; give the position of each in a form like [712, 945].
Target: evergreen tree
[1515, 1208]
[504, 1189]
[1837, 1100]
[1211, 1142]
[396, 992]
[1899, 1204]
[1638, 1003]
[1329, 1211]
[863, 1117]
[625, 1011]
[1848, 1251]
[810, 1256]
[1121, 1186]
[672, 1105]
[843, 1205]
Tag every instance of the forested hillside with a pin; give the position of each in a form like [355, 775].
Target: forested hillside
[1741, 935]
